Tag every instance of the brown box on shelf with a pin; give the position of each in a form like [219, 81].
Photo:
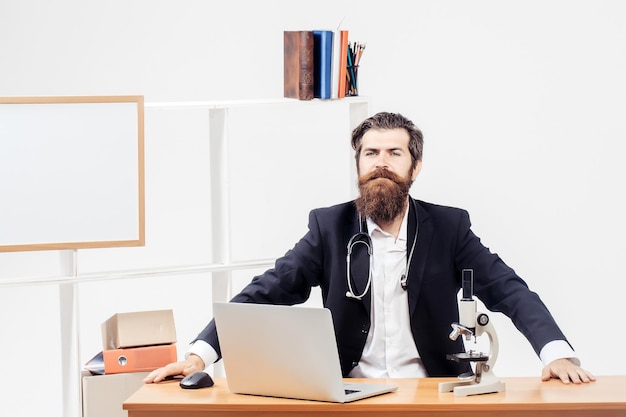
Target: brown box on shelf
[141, 328]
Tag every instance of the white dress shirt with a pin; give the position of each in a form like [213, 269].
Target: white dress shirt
[389, 351]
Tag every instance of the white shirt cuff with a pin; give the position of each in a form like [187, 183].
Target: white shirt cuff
[204, 351]
[557, 349]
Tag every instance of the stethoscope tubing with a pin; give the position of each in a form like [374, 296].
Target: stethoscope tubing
[364, 238]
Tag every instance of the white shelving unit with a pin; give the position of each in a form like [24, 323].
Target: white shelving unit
[223, 262]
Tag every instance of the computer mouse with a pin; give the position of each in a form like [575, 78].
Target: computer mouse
[196, 380]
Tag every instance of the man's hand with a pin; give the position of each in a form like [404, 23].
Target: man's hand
[192, 364]
[567, 371]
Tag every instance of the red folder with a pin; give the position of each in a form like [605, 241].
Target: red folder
[138, 359]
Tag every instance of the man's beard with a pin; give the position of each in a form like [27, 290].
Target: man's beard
[383, 195]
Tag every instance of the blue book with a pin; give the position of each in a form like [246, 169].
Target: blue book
[322, 63]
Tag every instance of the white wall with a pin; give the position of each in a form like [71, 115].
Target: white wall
[521, 104]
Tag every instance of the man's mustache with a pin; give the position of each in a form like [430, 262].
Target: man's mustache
[380, 173]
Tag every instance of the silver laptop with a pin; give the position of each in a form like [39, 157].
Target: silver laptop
[282, 351]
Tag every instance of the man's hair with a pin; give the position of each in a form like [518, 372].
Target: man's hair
[387, 121]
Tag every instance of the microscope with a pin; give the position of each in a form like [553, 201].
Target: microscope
[473, 324]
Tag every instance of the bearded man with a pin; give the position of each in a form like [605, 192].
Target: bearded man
[389, 268]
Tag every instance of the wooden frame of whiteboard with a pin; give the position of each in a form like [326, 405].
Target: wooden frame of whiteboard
[121, 118]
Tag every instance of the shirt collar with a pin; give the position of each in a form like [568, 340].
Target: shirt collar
[402, 236]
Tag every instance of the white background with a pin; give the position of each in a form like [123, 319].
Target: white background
[522, 106]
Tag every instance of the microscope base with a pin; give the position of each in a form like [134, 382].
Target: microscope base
[487, 385]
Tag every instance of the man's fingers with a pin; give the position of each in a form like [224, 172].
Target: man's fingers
[160, 374]
[567, 372]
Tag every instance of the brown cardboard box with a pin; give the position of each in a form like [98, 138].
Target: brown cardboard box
[141, 328]
[139, 359]
[103, 395]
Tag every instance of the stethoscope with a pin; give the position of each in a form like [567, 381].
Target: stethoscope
[364, 238]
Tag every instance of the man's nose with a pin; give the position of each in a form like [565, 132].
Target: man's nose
[382, 162]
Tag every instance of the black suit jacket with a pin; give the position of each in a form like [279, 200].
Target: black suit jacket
[445, 245]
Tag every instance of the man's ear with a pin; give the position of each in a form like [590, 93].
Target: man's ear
[416, 170]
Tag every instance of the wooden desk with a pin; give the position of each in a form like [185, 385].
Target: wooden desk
[414, 397]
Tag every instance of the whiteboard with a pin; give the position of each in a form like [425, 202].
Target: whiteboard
[71, 172]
